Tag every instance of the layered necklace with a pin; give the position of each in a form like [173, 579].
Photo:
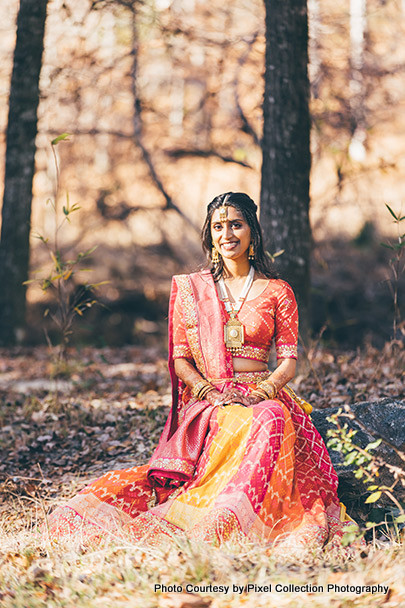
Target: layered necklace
[234, 332]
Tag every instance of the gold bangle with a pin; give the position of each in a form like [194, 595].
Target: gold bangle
[200, 389]
[204, 391]
[269, 388]
[195, 389]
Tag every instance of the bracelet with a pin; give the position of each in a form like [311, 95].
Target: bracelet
[268, 387]
[204, 391]
[260, 393]
[200, 389]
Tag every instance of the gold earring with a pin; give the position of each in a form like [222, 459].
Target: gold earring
[215, 256]
[251, 254]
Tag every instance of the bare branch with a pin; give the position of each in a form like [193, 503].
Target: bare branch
[247, 127]
[182, 152]
[138, 135]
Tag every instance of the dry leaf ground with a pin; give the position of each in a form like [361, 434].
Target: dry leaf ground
[107, 412]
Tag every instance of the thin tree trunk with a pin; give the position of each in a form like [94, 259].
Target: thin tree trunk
[20, 154]
[286, 151]
[358, 21]
[314, 27]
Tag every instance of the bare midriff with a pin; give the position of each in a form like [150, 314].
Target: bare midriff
[240, 364]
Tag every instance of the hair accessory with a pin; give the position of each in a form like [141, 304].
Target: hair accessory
[251, 254]
[215, 256]
[223, 213]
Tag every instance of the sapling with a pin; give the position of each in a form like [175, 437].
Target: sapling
[70, 300]
[396, 264]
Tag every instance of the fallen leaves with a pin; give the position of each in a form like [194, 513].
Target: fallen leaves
[184, 600]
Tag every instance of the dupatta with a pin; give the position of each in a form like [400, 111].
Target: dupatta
[181, 443]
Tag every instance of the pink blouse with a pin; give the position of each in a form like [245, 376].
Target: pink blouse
[272, 314]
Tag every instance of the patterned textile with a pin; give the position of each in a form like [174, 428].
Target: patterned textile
[272, 314]
[260, 473]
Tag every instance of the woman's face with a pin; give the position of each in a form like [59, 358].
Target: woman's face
[230, 233]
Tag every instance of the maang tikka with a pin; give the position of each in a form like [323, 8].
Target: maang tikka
[223, 213]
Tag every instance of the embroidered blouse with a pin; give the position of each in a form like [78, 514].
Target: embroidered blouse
[272, 314]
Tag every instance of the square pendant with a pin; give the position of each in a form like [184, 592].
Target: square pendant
[234, 334]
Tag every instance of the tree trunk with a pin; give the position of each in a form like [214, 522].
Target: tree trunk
[358, 18]
[20, 153]
[286, 153]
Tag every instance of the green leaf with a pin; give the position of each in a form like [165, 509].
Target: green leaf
[61, 137]
[387, 246]
[373, 497]
[350, 458]
[371, 488]
[348, 538]
[400, 519]
[373, 445]
[392, 212]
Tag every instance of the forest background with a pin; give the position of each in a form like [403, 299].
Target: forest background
[187, 126]
[163, 102]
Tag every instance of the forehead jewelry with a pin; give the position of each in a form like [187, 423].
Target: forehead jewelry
[223, 213]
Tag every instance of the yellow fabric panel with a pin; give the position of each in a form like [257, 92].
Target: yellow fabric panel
[225, 456]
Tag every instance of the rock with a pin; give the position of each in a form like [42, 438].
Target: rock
[384, 418]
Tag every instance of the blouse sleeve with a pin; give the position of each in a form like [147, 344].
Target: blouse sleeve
[286, 324]
[181, 348]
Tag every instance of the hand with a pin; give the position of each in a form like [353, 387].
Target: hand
[228, 397]
[255, 398]
[215, 397]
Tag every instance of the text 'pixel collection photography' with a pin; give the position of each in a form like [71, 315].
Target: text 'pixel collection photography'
[271, 588]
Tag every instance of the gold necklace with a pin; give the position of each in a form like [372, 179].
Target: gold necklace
[234, 332]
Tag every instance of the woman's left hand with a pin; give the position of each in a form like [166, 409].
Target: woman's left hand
[234, 396]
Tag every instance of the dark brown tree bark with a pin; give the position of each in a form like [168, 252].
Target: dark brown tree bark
[20, 154]
[286, 152]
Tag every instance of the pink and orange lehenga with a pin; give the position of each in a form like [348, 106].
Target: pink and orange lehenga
[260, 473]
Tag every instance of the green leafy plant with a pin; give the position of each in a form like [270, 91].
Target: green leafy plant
[70, 299]
[366, 467]
[396, 264]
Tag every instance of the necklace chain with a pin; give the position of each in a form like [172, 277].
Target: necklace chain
[233, 310]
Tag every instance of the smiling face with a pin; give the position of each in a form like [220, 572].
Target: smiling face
[230, 235]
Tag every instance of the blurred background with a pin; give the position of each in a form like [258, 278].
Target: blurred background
[163, 103]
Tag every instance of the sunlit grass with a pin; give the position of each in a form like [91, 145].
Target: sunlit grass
[36, 573]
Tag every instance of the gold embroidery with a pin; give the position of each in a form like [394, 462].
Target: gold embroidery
[181, 350]
[173, 464]
[286, 351]
[242, 378]
[152, 500]
[191, 320]
[254, 352]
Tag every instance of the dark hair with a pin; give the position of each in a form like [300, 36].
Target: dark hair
[243, 203]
